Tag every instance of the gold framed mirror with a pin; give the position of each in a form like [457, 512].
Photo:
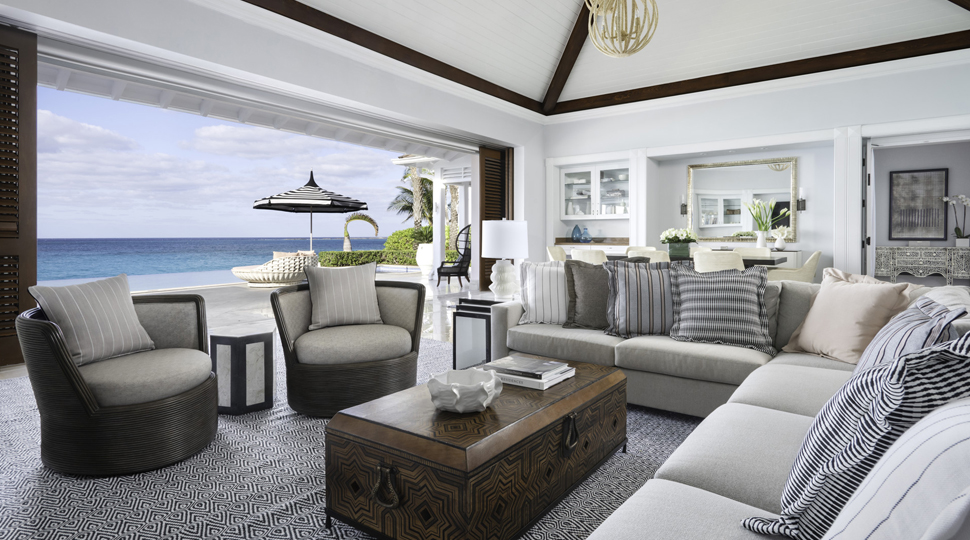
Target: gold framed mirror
[716, 193]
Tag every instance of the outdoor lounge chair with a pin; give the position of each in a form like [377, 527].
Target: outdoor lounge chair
[129, 413]
[460, 267]
[283, 270]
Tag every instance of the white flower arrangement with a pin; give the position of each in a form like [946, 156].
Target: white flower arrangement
[961, 229]
[781, 231]
[761, 213]
[678, 236]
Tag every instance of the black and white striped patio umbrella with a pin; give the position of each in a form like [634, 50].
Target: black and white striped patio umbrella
[310, 199]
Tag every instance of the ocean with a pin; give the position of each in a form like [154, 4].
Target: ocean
[80, 259]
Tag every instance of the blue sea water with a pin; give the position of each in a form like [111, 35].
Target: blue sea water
[61, 259]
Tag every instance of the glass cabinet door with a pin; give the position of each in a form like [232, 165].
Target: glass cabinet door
[732, 211]
[614, 192]
[577, 193]
[710, 211]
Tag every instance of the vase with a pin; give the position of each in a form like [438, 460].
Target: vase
[577, 235]
[762, 239]
[585, 237]
[425, 259]
[780, 243]
[678, 250]
[963, 242]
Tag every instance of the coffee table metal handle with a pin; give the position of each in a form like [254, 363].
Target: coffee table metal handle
[570, 433]
[384, 480]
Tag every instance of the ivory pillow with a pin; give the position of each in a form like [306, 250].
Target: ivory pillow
[845, 316]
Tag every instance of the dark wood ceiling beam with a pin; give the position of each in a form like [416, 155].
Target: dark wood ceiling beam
[965, 4]
[302, 13]
[568, 59]
[861, 57]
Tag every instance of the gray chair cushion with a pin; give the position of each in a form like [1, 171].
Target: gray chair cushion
[341, 296]
[663, 510]
[741, 452]
[98, 319]
[576, 344]
[793, 306]
[146, 376]
[811, 360]
[353, 344]
[795, 389]
[698, 361]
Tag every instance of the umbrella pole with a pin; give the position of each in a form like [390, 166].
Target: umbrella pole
[311, 231]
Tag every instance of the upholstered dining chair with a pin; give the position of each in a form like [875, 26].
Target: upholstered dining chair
[653, 254]
[713, 261]
[806, 273]
[753, 252]
[131, 413]
[556, 253]
[592, 256]
[640, 248]
[337, 367]
[697, 249]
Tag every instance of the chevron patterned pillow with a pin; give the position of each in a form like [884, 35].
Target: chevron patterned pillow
[925, 324]
[725, 307]
[856, 427]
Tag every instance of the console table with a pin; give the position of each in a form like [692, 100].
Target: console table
[949, 262]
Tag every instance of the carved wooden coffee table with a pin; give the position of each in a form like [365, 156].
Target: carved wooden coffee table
[398, 468]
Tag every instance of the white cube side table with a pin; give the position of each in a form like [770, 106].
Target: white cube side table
[242, 360]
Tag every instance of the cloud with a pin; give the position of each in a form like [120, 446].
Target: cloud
[60, 134]
[93, 182]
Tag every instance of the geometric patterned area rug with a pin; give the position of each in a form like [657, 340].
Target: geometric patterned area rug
[262, 477]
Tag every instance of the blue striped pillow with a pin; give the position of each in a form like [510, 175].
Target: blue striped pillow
[856, 428]
[925, 324]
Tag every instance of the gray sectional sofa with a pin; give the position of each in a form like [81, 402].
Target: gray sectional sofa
[758, 410]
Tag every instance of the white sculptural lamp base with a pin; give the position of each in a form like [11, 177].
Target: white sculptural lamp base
[505, 282]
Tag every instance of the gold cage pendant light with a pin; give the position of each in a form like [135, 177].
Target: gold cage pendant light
[619, 28]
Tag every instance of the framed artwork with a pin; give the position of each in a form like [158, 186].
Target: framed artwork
[916, 207]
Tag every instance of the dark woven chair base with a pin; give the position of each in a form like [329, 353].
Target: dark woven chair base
[324, 390]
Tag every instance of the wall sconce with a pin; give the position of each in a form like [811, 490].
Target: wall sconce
[800, 203]
[683, 205]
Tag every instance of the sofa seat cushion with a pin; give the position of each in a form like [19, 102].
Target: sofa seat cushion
[592, 346]
[741, 452]
[689, 360]
[795, 389]
[663, 510]
[811, 360]
[353, 344]
[146, 376]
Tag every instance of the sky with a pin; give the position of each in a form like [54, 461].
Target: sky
[109, 169]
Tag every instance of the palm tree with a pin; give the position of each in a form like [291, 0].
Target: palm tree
[452, 216]
[403, 203]
[356, 216]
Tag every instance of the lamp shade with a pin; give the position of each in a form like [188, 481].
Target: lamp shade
[505, 239]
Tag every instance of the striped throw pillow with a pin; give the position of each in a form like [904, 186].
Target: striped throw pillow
[856, 428]
[924, 324]
[640, 301]
[342, 296]
[543, 292]
[920, 487]
[98, 318]
[725, 307]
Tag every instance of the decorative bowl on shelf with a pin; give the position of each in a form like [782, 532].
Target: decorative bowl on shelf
[464, 391]
[623, 177]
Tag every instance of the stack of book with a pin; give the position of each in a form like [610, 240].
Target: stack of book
[530, 372]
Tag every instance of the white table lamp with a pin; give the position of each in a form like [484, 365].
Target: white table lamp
[505, 240]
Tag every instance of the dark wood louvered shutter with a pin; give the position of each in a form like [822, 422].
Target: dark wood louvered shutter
[18, 183]
[495, 198]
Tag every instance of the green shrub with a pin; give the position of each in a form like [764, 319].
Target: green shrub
[355, 258]
[405, 240]
[451, 255]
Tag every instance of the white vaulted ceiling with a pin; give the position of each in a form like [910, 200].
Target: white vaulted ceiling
[696, 38]
[512, 43]
[517, 44]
